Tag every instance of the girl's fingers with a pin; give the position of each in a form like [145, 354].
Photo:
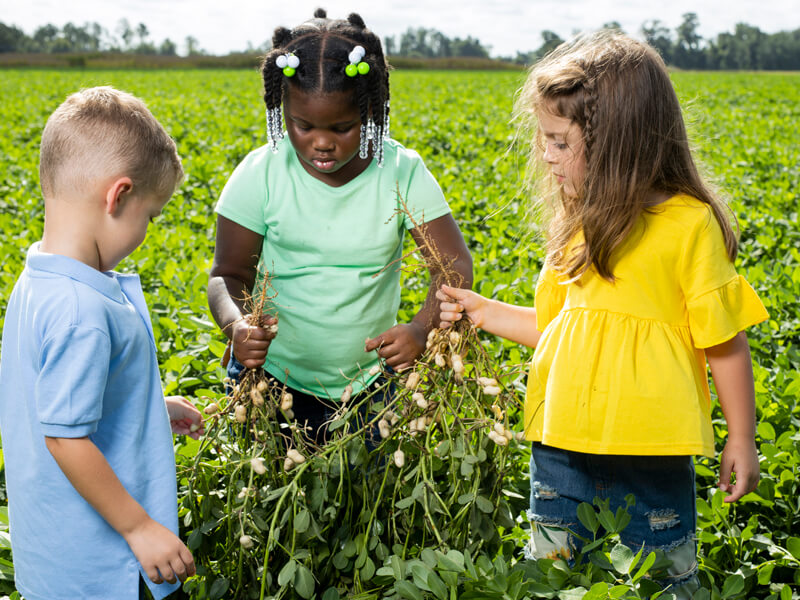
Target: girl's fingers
[455, 293]
[450, 316]
[451, 307]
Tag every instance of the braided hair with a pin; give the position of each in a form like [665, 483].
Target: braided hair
[323, 47]
[617, 90]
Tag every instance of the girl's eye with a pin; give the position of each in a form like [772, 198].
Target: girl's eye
[343, 129]
[560, 146]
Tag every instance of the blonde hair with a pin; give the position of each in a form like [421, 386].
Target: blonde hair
[618, 91]
[103, 132]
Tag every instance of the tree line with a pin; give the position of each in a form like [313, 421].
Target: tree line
[746, 47]
[91, 37]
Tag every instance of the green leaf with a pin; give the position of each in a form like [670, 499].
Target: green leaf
[368, 570]
[765, 574]
[621, 557]
[407, 590]
[766, 431]
[302, 521]
[398, 567]
[437, 586]
[331, 594]
[218, 588]
[287, 573]
[649, 561]
[793, 546]
[484, 505]
[734, 585]
[588, 517]
[304, 582]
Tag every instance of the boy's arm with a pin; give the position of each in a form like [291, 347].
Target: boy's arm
[233, 275]
[402, 344]
[514, 323]
[162, 555]
[732, 370]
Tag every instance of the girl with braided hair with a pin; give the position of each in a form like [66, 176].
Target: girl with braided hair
[638, 293]
[319, 212]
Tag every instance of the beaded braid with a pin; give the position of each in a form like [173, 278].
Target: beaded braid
[319, 43]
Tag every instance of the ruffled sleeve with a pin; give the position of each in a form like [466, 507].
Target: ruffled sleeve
[549, 298]
[720, 302]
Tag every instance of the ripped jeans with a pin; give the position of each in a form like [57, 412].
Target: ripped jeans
[663, 518]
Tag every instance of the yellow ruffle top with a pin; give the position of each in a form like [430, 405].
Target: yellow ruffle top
[620, 367]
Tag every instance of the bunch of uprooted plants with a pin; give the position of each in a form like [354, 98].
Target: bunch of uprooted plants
[272, 514]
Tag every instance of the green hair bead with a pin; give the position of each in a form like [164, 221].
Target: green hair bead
[363, 68]
[351, 70]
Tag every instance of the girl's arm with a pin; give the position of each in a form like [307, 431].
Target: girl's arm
[233, 275]
[162, 555]
[402, 344]
[514, 323]
[732, 371]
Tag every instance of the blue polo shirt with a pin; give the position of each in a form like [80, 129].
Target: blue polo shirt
[78, 359]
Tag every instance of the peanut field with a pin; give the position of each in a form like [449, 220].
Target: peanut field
[435, 508]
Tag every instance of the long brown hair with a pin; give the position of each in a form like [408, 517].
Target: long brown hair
[618, 91]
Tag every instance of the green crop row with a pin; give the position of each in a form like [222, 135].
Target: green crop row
[743, 127]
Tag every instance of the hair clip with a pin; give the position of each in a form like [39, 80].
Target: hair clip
[288, 62]
[356, 66]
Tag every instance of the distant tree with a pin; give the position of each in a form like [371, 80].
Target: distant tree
[388, 46]
[469, 47]
[613, 25]
[143, 33]
[44, 37]
[125, 32]
[550, 41]
[168, 48]
[658, 36]
[12, 38]
[688, 49]
[192, 47]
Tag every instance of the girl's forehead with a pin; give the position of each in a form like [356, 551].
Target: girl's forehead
[317, 100]
[553, 124]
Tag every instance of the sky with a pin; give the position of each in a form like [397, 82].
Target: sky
[506, 26]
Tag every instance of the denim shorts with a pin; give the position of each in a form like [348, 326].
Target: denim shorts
[663, 517]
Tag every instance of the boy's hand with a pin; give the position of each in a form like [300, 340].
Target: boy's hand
[183, 416]
[251, 342]
[740, 457]
[162, 555]
[399, 346]
[456, 301]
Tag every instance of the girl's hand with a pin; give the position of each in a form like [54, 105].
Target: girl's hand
[456, 301]
[740, 457]
[183, 415]
[251, 342]
[399, 346]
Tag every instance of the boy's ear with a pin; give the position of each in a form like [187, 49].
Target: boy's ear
[116, 194]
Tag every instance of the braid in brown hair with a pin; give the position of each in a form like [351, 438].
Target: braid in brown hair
[323, 47]
[618, 91]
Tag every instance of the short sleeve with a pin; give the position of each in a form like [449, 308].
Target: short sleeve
[244, 196]
[424, 197]
[73, 369]
[720, 303]
[549, 297]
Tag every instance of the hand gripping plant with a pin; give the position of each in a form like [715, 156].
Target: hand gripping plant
[273, 515]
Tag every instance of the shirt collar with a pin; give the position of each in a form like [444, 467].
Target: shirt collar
[107, 283]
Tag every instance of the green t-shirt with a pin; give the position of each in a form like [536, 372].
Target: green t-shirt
[327, 250]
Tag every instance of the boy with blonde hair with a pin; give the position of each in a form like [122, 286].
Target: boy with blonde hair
[89, 462]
